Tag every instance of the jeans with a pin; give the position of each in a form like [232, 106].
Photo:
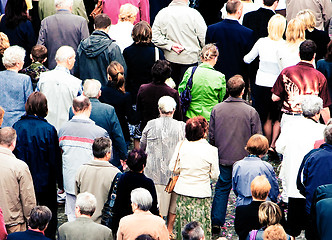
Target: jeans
[220, 200]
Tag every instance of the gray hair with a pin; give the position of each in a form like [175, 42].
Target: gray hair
[328, 134]
[91, 88]
[87, 203]
[63, 3]
[192, 231]
[7, 136]
[142, 198]
[166, 104]
[12, 56]
[311, 105]
[64, 53]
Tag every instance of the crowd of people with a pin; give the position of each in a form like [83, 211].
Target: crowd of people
[113, 102]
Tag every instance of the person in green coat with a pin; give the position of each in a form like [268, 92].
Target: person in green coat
[209, 85]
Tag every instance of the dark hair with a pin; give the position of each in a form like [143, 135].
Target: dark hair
[232, 6]
[116, 72]
[307, 50]
[81, 103]
[160, 71]
[328, 56]
[269, 3]
[102, 21]
[15, 12]
[196, 128]
[39, 218]
[144, 237]
[142, 33]
[192, 231]
[7, 136]
[235, 86]
[39, 53]
[36, 104]
[136, 160]
[101, 146]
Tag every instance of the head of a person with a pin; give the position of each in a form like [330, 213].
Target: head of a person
[39, 53]
[91, 88]
[136, 160]
[13, 57]
[8, 137]
[142, 33]
[115, 73]
[160, 71]
[64, 4]
[295, 31]
[81, 104]
[269, 214]
[308, 50]
[144, 237]
[257, 145]
[196, 128]
[327, 134]
[166, 105]
[311, 105]
[102, 21]
[276, 27]
[36, 105]
[235, 86]
[209, 52]
[40, 216]
[101, 147]
[16, 11]
[193, 231]
[275, 232]
[4, 42]
[2, 113]
[269, 3]
[260, 188]
[328, 55]
[308, 19]
[128, 13]
[234, 7]
[65, 56]
[85, 204]
[141, 198]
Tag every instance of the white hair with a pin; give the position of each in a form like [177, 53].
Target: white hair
[91, 88]
[166, 104]
[64, 53]
[12, 56]
[63, 3]
[311, 105]
[142, 198]
[87, 203]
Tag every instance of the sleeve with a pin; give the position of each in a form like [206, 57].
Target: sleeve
[164, 234]
[30, 37]
[326, 10]
[281, 142]
[324, 92]
[215, 165]
[158, 35]
[139, 103]
[301, 176]
[144, 9]
[222, 93]
[27, 192]
[84, 30]
[42, 35]
[200, 29]
[274, 192]
[178, 110]
[254, 52]
[143, 141]
[116, 55]
[78, 181]
[55, 153]
[79, 9]
[71, 113]
[256, 126]
[3, 231]
[117, 136]
[174, 158]
[235, 178]
[183, 83]
[278, 87]
[212, 128]
[208, 35]
[27, 88]
[154, 209]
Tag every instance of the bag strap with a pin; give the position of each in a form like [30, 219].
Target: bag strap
[253, 234]
[156, 54]
[113, 189]
[190, 80]
[177, 158]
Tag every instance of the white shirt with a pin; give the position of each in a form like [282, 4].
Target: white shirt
[121, 33]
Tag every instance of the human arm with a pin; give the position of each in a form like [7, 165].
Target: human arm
[222, 92]
[275, 98]
[3, 231]
[274, 192]
[256, 126]
[174, 158]
[79, 9]
[215, 165]
[84, 30]
[55, 153]
[27, 88]
[143, 141]
[235, 178]
[26, 190]
[212, 128]
[326, 11]
[42, 39]
[200, 29]
[254, 52]
[144, 9]
[325, 114]
[119, 234]
[183, 83]
[301, 176]
[116, 55]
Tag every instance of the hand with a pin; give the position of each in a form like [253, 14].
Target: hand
[178, 48]
[124, 164]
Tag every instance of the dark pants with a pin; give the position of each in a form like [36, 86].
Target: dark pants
[178, 71]
[296, 217]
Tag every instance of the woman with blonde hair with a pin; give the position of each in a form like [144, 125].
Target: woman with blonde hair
[266, 48]
[4, 44]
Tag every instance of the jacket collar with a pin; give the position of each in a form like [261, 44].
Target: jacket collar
[233, 99]
[33, 117]
[178, 3]
[301, 63]
[6, 151]
[99, 163]
[326, 146]
[63, 11]
[101, 33]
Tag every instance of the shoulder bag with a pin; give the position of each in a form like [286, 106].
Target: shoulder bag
[185, 96]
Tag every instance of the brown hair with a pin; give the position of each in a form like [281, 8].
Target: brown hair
[328, 56]
[275, 232]
[196, 128]
[39, 53]
[209, 51]
[269, 213]
[260, 187]
[116, 73]
[142, 33]
[4, 42]
[235, 85]
[102, 21]
[36, 105]
[257, 145]
[232, 6]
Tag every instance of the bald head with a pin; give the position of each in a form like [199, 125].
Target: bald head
[81, 104]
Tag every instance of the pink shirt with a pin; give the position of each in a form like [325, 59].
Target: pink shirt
[3, 232]
[112, 8]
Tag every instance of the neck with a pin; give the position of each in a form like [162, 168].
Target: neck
[306, 61]
[83, 114]
[63, 65]
[37, 230]
[14, 69]
[106, 158]
[232, 16]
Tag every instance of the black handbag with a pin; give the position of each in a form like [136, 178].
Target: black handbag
[185, 96]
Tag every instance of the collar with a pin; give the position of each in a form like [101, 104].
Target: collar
[178, 3]
[205, 65]
[33, 117]
[63, 11]
[81, 117]
[232, 19]
[233, 99]
[61, 68]
[267, 8]
[83, 219]
[6, 151]
[94, 100]
[301, 63]
[312, 119]
[99, 163]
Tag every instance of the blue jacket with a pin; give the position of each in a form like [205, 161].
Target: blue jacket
[27, 235]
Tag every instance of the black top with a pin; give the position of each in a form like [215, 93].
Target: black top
[321, 38]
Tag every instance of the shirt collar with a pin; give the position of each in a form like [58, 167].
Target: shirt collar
[61, 68]
[178, 3]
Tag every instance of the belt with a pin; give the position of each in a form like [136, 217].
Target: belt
[293, 114]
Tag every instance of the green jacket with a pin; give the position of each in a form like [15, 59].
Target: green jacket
[209, 88]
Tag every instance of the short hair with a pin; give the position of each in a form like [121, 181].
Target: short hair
[102, 21]
[39, 53]
[232, 6]
[87, 203]
[63, 3]
[144, 237]
[192, 231]
[81, 103]
[257, 145]
[196, 128]
[209, 52]
[235, 86]
[116, 72]
[4, 42]
[136, 160]
[142, 33]
[260, 187]
[307, 50]
[91, 88]
[7, 136]
[2, 113]
[276, 27]
[160, 71]
[12, 56]
[328, 55]
[142, 198]
[269, 213]
[101, 146]
[64, 53]
[295, 31]
[166, 104]
[311, 105]
[36, 104]
[128, 12]
[40, 216]
[269, 3]
[275, 232]
[308, 19]
[327, 134]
